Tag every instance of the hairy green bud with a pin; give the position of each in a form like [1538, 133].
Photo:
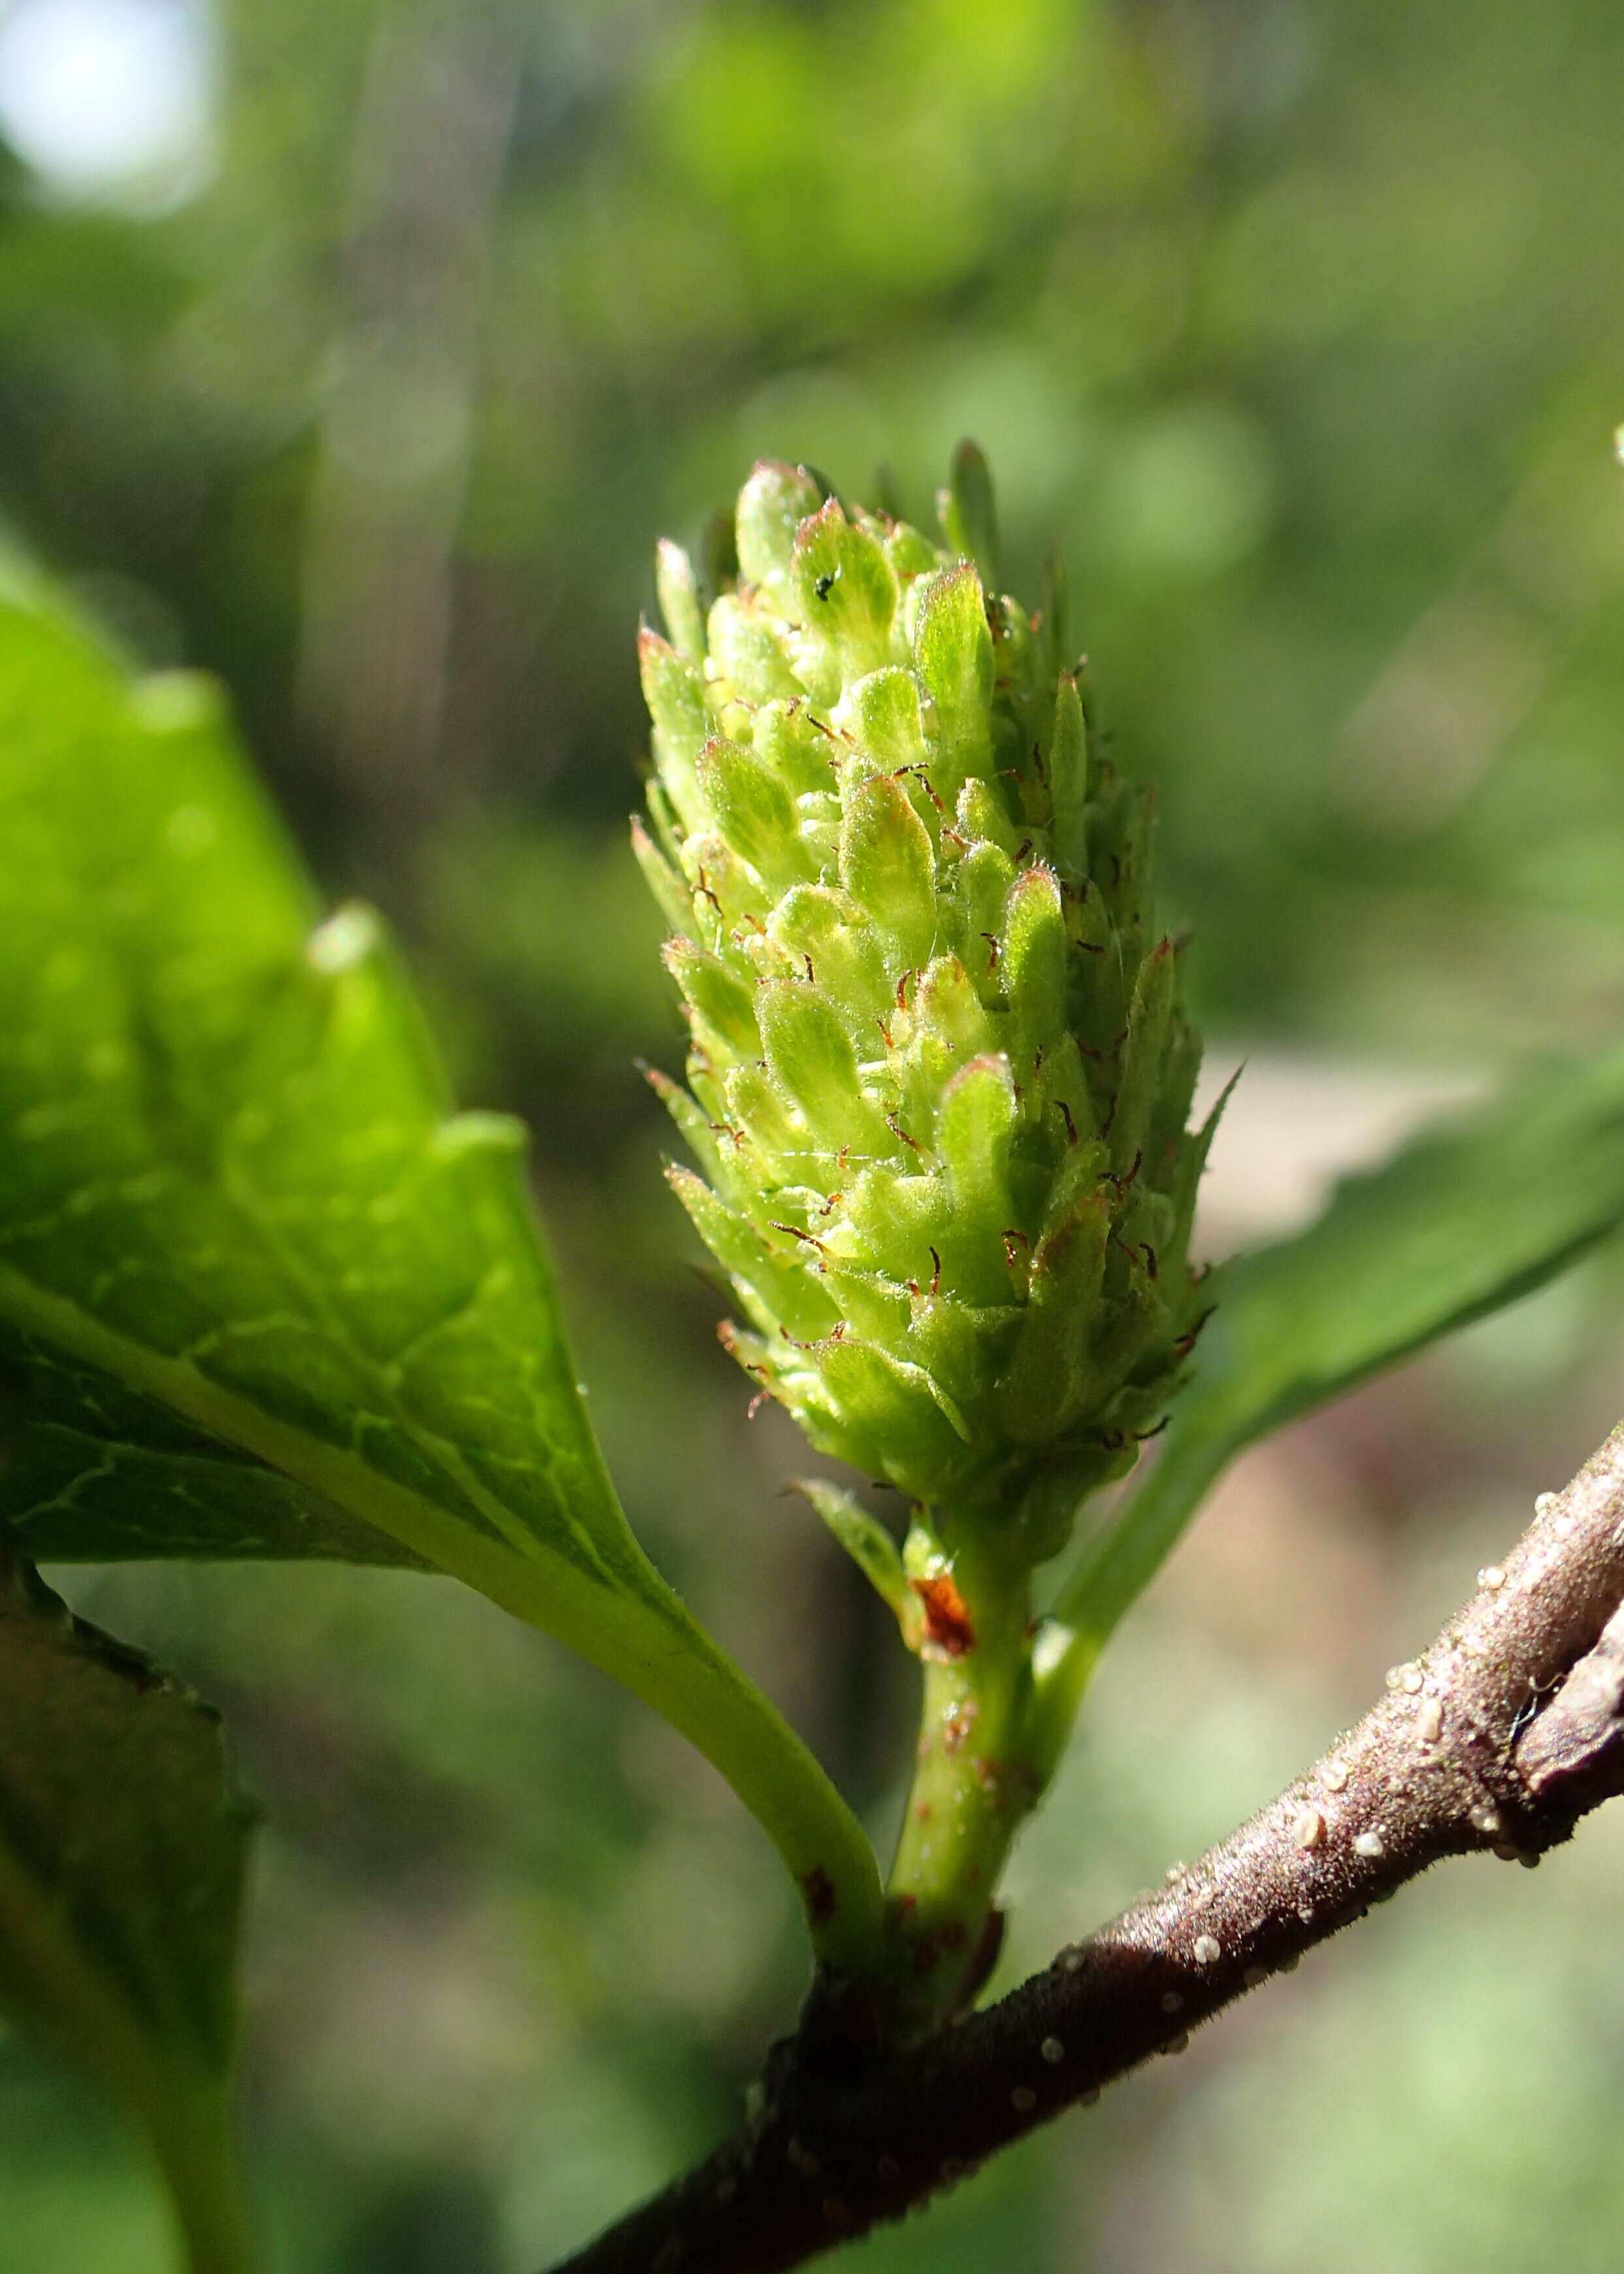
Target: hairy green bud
[939, 1079]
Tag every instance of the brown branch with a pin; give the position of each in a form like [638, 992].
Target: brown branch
[1508, 1729]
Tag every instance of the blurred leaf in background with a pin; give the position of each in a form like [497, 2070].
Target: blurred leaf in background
[367, 385]
[121, 1859]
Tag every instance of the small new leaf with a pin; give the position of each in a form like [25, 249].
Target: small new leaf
[870, 1546]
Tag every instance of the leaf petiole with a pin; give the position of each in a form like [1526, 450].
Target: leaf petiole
[193, 2141]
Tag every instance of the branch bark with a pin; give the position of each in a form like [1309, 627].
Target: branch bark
[1499, 1738]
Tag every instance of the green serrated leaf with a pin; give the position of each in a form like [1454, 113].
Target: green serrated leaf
[262, 1291]
[122, 1853]
[1462, 1222]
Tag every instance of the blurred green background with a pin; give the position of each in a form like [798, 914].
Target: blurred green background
[358, 352]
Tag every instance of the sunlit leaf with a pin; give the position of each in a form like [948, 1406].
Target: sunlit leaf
[262, 1291]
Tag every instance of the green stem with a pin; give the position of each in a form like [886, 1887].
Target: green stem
[972, 1789]
[194, 2142]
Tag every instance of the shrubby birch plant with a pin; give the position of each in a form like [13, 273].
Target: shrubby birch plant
[265, 1292]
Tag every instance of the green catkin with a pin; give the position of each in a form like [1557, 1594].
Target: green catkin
[940, 1077]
